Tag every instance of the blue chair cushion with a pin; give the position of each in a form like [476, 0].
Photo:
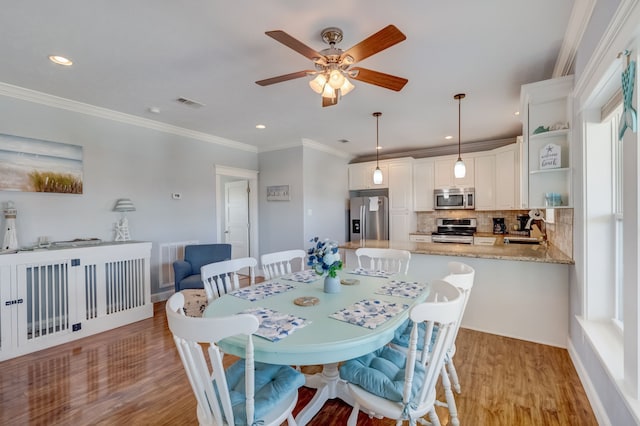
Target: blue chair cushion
[273, 384]
[382, 373]
[403, 334]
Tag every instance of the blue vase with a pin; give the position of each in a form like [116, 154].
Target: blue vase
[332, 284]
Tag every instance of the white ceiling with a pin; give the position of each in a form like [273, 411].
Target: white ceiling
[130, 55]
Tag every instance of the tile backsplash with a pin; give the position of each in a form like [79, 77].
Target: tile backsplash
[560, 233]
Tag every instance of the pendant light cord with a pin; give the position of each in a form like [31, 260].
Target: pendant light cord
[459, 114]
[377, 116]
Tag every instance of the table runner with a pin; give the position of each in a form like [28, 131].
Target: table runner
[275, 325]
[369, 313]
[261, 291]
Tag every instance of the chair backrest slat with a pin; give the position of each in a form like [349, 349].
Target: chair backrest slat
[389, 260]
[442, 309]
[220, 278]
[189, 335]
[277, 264]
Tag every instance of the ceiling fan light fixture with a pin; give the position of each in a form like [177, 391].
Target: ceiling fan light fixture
[318, 83]
[328, 92]
[346, 87]
[336, 79]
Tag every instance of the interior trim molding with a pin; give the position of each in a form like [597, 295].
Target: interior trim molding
[52, 101]
[578, 21]
[623, 21]
[234, 171]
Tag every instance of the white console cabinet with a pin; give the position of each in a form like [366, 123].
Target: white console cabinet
[50, 297]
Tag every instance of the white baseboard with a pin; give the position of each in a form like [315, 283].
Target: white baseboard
[161, 297]
[596, 404]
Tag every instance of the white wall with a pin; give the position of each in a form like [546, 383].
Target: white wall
[595, 55]
[281, 222]
[317, 184]
[120, 160]
[326, 196]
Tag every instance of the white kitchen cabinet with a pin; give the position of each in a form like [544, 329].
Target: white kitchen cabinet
[416, 238]
[508, 177]
[401, 216]
[485, 181]
[55, 296]
[423, 184]
[444, 177]
[546, 105]
[361, 175]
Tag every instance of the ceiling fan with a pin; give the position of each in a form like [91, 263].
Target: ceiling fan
[333, 66]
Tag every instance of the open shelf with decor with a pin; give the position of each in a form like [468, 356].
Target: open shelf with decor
[546, 111]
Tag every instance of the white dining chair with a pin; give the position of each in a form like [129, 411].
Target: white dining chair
[381, 259]
[248, 392]
[281, 263]
[462, 276]
[220, 278]
[402, 385]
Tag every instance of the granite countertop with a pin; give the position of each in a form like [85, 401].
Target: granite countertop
[544, 253]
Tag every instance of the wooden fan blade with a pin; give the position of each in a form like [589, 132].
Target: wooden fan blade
[330, 101]
[383, 39]
[281, 78]
[294, 44]
[387, 81]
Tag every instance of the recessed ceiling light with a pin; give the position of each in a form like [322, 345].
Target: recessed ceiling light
[154, 110]
[378, 147]
[448, 137]
[517, 113]
[260, 126]
[61, 60]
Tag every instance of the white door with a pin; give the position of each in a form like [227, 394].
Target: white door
[237, 217]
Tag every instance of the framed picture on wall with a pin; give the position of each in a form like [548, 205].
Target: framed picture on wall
[34, 165]
[278, 193]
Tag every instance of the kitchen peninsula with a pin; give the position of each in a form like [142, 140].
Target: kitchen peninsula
[520, 290]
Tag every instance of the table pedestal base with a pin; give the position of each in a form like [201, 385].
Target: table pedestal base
[329, 386]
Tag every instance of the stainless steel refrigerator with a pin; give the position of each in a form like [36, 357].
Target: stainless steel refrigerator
[369, 218]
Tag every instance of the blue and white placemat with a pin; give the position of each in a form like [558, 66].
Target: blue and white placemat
[369, 313]
[371, 273]
[261, 291]
[409, 289]
[275, 325]
[306, 276]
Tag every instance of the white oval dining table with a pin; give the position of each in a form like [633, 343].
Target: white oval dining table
[325, 340]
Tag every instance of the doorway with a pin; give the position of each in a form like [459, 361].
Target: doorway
[237, 208]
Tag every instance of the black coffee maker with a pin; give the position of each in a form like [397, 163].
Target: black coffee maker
[522, 222]
[499, 226]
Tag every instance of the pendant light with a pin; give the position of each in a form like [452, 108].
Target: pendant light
[377, 173]
[459, 169]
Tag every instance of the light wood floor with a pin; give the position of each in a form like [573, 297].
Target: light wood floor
[133, 376]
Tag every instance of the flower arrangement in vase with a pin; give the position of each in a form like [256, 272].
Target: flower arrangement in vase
[324, 259]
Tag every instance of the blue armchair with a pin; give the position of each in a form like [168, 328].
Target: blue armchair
[187, 271]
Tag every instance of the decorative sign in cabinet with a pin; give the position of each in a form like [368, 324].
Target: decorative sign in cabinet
[55, 296]
[546, 128]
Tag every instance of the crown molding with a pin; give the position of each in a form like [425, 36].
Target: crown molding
[621, 31]
[308, 143]
[52, 101]
[577, 25]
[440, 150]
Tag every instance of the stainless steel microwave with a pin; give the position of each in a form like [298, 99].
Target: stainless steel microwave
[454, 199]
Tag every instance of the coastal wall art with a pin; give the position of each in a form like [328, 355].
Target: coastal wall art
[34, 165]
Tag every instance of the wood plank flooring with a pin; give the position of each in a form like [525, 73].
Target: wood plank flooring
[133, 376]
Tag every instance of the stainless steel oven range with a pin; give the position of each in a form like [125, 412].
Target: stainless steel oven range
[455, 231]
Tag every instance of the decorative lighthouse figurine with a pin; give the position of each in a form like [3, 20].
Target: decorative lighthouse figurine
[10, 237]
